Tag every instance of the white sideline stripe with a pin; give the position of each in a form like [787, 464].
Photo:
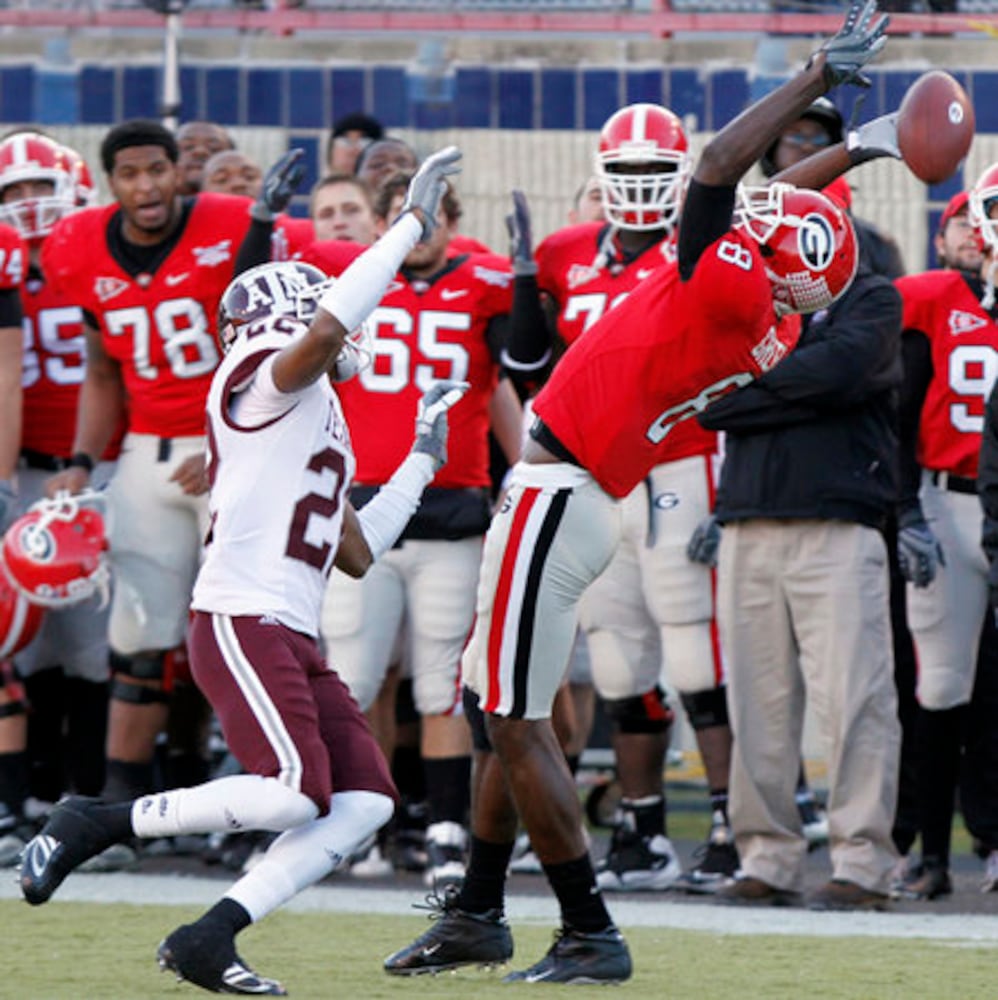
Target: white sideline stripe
[120, 887]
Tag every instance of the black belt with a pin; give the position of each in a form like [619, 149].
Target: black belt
[544, 436]
[39, 460]
[164, 450]
[955, 484]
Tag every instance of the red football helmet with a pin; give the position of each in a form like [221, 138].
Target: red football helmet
[56, 554]
[19, 620]
[642, 165]
[27, 156]
[83, 182]
[807, 242]
[983, 198]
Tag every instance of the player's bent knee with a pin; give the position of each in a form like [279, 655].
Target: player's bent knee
[259, 803]
[706, 709]
[646, 713]
[367, 811]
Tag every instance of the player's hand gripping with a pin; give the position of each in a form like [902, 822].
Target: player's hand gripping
[279, 185]
[703, 543]
[521, 250]
[431, 419]
[428, 185]
[919, 553]
[860, 38]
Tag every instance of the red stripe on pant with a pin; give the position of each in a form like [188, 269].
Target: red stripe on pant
[500, 603]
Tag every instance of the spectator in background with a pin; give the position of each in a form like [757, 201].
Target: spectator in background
[149, 283]
[232, 172]
[197, 142]
[350, 135]
[956, 243]
[587, 205]
[383, 158]
[341, 209]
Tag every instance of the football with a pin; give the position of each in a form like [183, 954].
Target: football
[935, 126]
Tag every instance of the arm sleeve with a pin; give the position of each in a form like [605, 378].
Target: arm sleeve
[916, 358]
[255, 247]
[10, 307]
[529, 341]
[707, 216]
[384, 517]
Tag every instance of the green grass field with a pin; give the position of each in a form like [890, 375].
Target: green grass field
[76, 951]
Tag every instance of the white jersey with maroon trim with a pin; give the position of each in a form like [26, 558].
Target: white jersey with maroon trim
[279, 465]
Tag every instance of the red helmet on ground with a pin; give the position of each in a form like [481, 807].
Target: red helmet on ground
[19, 620]
[25, 157]
[56, 554]
[983, 197]
[807, 242]
[642, 165]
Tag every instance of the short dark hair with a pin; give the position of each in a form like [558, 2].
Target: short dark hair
[136, 132]
[399, 183]
[372, 146]
[358, 122]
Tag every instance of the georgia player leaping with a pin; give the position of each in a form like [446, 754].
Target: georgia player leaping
[652, 611]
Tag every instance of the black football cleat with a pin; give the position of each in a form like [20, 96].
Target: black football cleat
[579, 958]
[209, 960]
[457, 938]
[73, 833]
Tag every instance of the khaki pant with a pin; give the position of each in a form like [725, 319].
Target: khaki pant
[803, 608]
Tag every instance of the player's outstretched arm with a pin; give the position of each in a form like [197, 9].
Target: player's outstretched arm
[361, 286]
[730, 154]
[371, 532]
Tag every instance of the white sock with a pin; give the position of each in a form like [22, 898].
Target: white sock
[226, 805]
[300, 857]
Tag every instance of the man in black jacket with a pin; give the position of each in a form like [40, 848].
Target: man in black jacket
[808, 480]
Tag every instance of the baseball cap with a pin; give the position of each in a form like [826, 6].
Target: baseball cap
[955, 206]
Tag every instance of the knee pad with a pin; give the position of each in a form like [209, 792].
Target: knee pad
[644, 713]
[128, 671]
[705, 709]
[476, 720]
[12, 707]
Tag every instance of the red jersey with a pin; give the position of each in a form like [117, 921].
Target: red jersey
[290, 237]
[586, 293]
[13, 258]
[425, 332]
[963, 340]
[625, 393]
[159, 327]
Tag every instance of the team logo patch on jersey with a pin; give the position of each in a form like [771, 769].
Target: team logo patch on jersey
[498, 279]
[964, 322]
[769, 350]
[107, 288]
[581, 274]
[214, 255]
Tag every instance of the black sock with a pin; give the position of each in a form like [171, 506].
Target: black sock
[127, 780]
[484, 886]
[14, 780]
[645, 816]
[938, 736]
[572, 760]
[407, 770]
[719, 807]
[227, 915]
[86, 734]
[448, 781]
[574, 883]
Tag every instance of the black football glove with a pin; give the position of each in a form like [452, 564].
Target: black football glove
[279, 185]
[703, 543]
[521, 252]
[860, 38]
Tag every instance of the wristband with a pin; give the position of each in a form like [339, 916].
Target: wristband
[81, 460]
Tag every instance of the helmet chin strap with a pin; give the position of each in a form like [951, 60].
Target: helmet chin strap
[605, 248]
